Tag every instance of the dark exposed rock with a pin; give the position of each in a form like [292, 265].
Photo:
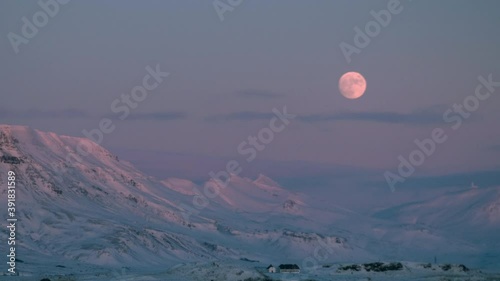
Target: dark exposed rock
[11, 160]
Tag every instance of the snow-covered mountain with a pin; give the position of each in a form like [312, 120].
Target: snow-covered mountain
[465, 221]
[77, 203]
[92, 207]
[95, 209]
[478, 207]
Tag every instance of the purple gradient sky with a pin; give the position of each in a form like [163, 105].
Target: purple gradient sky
[263, 55]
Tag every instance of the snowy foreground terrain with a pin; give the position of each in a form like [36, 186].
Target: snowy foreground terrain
[93, 216]
[230, 270]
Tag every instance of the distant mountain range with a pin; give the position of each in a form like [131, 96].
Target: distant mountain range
[94, 208]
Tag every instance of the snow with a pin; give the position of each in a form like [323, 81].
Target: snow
[97, 215]
[182, 186]
[242, 270]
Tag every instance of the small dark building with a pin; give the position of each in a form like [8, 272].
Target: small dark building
[289, 268]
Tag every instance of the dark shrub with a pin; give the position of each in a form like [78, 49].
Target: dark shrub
[426, 265]
[354, 267]
[374, 266]
[381, 267]
[394, 266]
[446, 267]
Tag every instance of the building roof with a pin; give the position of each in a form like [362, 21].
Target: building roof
[269, 266]
[289, 266]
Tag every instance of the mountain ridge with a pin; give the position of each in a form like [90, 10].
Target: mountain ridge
[102, 210]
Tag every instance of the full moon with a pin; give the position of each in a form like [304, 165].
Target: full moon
[352, 85]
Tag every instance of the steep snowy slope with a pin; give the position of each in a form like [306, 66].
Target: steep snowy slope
[97, 209]
[91, 207]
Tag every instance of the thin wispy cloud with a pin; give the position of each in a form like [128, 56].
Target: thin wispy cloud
[421, 117]
[158, 116]
[378, 117]
[240, 116]
[34, 113]
[495, 147]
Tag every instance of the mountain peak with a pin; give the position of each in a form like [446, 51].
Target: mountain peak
[35, 146]
[182, 186]
[7, 127]
[265, 180]
[10, 130]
